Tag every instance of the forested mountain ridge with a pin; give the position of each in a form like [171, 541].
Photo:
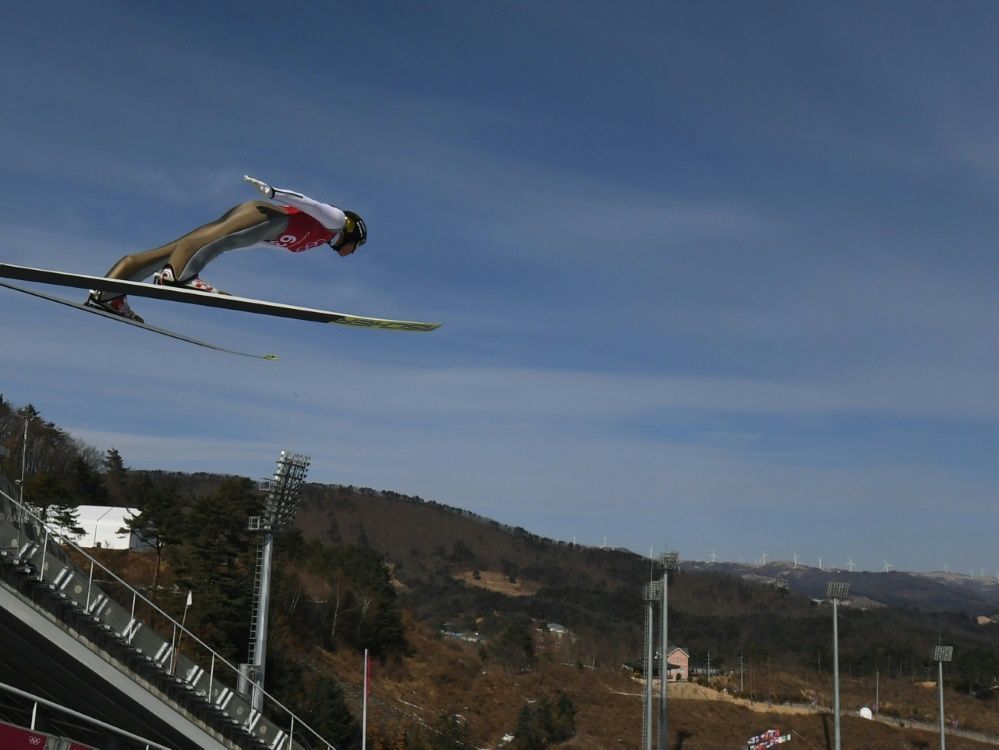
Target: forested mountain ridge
[597, 592]
[928, 592]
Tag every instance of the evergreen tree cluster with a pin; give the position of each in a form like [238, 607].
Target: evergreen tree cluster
[513, 645]
[213, 554]
[550, 720]
[59, 472]
[359, 610]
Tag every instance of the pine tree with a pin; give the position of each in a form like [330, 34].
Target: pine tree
[563, 724]
[115, 477]
[114, 466]
[85, 484]
[65, 516]
[158, 522]
[330, 716]
[529, 733]
[545, 722]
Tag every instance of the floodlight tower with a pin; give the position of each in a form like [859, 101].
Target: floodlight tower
[284, 491]
[670, 561]
[651, 595]
[836, 591]
[940, 655]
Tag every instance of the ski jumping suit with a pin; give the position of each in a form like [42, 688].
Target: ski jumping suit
[299, 224]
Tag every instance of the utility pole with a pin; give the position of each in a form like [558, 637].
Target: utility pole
[24, 457]
[364, 703]
[20, 494]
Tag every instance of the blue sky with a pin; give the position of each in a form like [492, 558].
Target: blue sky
[714, 276]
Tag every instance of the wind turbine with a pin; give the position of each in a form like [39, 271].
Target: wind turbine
[887, 568]
[764, 558]
[714, 557]
[820, 563]
[795, 560]
[850, 565]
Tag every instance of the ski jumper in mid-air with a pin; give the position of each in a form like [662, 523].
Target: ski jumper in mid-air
[296, 223]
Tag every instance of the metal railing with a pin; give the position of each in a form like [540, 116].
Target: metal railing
[34, 540]
[39, 701]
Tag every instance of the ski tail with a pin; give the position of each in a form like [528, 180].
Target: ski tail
[146, 326]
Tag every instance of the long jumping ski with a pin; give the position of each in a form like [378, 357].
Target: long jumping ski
[224, 301]
[146, 326]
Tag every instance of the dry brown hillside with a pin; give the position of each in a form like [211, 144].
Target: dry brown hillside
[449, 676]
[448, 566]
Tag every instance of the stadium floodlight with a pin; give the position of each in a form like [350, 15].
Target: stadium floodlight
[284, 492]
[943, 653]
[650, 593]
[940, 655]
[670, 560]
[836, 590]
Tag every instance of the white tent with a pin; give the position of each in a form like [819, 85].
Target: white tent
[101, 524]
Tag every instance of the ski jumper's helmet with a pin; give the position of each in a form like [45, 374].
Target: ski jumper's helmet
[354, 230]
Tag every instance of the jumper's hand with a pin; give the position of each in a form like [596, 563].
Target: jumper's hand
[263, 187]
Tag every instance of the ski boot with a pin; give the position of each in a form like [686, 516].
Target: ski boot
[165, 278]
[116, 305]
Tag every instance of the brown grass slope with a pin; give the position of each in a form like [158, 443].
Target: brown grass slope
[453, 565]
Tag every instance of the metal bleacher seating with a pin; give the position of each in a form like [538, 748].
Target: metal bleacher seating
[35, 564]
